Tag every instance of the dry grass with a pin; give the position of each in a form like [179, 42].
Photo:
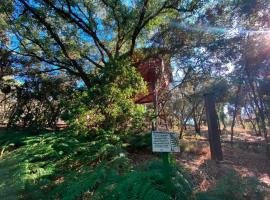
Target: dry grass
[247, 157]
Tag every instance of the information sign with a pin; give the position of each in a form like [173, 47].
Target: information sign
[165, 142]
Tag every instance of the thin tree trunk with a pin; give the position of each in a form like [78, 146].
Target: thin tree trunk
[256, 117]
[196, 125]
[155, 103]
[241, 122]
[235, 112]
[258, 106]
[181, 132]
[200, 120]
[255, 98]
[232, 127]
[183, 127]
[251, 121]
[223, 120]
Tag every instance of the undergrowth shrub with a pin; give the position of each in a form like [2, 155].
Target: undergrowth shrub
[154, 179]
[37, 102]
[40, 159]
[61, 166]
[235, 187]
[64, 166]
[146, 181]
[138, 141]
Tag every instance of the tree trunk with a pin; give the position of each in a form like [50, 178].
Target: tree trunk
[232, 127]
[223, 120]
[256, 117]
[155, 104]
[181, 131]
[196, 125]
[256, 96]
[251, 121]
[213, 131]
[235, 111]
[183, 127]
[200, 120]
[241, 122]
[171, 122]
[256, 100]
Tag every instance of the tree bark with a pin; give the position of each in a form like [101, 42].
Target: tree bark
[235, 111]
[213, 131]
[200, 119]
[222, 118]
[256, 100]
[196, 125]
[233, 124]
[182, 128]
[155, 104]
[241, 121]
[251, 121]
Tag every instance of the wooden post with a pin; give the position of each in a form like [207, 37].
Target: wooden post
[213, 131]
[155, 103]
[164, 155]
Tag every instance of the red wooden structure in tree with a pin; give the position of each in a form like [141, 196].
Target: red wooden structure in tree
[157, 73]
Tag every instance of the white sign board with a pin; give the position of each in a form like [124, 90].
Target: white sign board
[165, 142]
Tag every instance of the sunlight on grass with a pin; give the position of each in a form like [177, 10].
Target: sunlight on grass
[36, 163]
[32, 158]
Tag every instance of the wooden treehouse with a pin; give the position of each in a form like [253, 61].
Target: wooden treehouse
[157, 73]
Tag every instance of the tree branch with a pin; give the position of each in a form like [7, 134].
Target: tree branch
[74, 18]
[138, 27]
[54, 35]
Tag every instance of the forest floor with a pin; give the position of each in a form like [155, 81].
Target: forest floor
[246, 156]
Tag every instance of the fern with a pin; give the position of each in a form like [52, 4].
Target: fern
[97, 169]
[145, 183]
[81, 184]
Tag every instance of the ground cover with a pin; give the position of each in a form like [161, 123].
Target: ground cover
[59, 165]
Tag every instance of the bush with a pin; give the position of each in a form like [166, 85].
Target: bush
[234, 187]
[34, 166]
[144, 182]
[139, 141]
[37, 104]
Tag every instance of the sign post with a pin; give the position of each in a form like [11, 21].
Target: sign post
[165, 142]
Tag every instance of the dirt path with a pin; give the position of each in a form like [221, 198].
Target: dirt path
[247, 157]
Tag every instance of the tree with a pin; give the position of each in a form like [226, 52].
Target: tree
[213, 130]
[38, 102]
[81, 37]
